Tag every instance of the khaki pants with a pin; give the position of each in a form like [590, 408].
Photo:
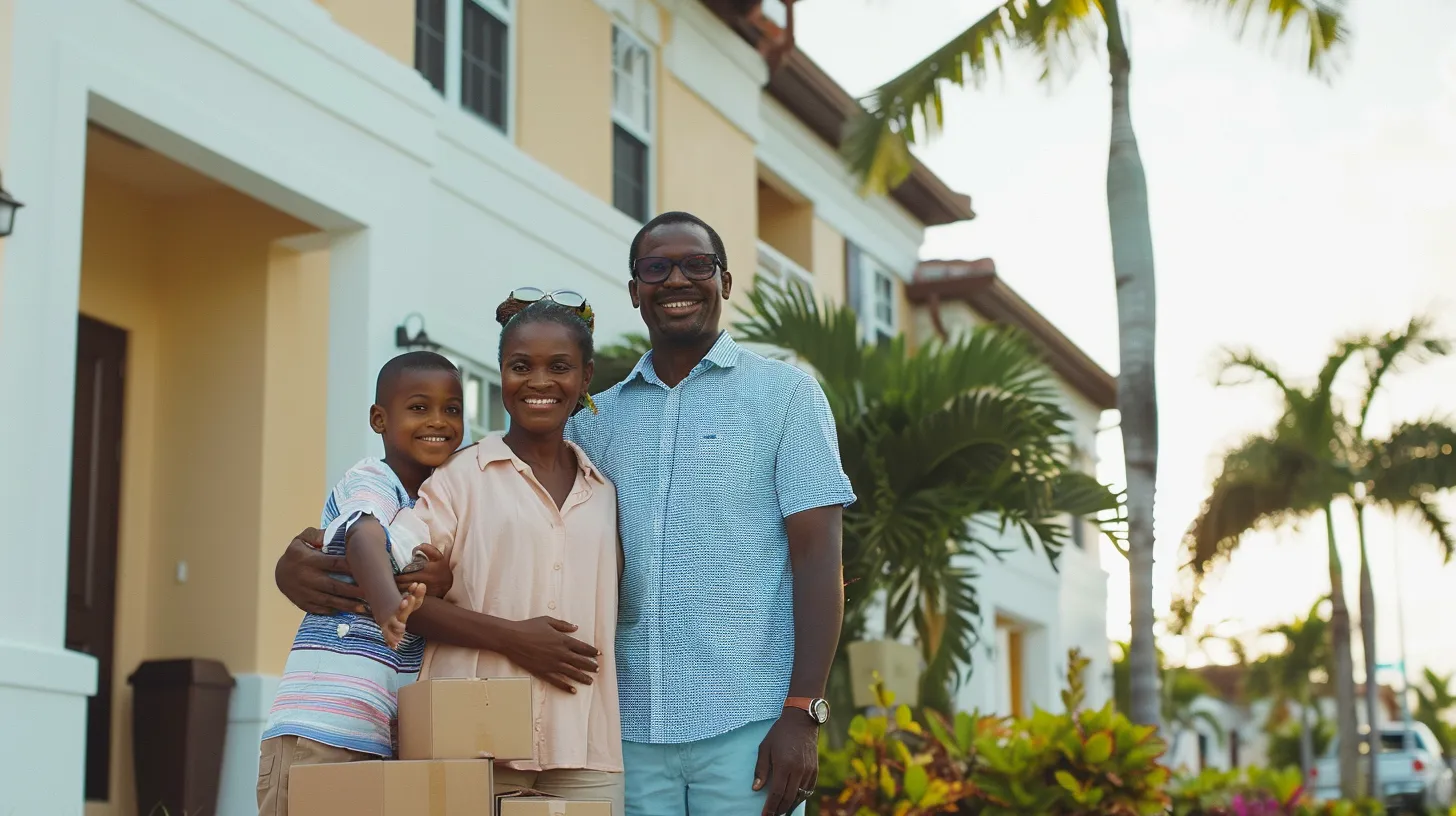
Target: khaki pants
[279, 755]
[568, 784]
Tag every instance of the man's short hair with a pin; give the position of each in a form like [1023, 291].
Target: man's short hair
[676, 218]
[409, 361]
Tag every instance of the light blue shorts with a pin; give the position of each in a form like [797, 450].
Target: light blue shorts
[711, 777]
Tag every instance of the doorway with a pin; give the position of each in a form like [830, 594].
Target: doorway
[95, 515]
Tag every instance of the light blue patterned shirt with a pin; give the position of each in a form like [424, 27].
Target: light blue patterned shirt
[706, 473]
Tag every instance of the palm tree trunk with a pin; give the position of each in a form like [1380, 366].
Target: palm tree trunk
[1367, 637]
[1132, 264]
[1346, 725]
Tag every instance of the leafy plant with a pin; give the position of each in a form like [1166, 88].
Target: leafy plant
[1257, 792]
[948, 448]
[1080, 762]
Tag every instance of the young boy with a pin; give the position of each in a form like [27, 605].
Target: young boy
[337, 699]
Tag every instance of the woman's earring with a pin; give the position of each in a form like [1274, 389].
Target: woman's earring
[587, 401]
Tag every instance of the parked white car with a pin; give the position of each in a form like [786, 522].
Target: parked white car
[1414, 776]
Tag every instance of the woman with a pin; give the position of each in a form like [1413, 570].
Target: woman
[529, 528]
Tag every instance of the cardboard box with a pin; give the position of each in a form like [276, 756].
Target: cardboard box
[392, 788]
[529, 803]
[467, 719]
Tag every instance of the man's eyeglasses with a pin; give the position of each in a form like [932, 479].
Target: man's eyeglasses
[657, 270]
[565, 297]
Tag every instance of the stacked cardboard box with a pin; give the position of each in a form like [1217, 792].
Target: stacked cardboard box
[450, 733]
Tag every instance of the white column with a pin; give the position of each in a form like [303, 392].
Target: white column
[43, 688]
[369, 295]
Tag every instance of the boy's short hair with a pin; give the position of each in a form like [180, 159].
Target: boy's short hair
[409, 361]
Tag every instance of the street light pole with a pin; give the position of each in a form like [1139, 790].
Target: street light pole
[1405, 712]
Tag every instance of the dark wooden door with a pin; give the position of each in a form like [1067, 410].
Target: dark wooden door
[95, 511]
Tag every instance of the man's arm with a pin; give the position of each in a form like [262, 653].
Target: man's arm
[788, 759]
[541, 646]
[812, 491]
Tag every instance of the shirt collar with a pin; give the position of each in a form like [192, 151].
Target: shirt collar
[723, 354]
[493, 448]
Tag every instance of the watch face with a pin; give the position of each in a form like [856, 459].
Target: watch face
[819, 710]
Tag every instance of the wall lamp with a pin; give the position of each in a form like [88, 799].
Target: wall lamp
[8, 207]
[418, 340]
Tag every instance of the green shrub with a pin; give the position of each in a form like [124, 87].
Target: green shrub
[1083, 762]
[1256, 792]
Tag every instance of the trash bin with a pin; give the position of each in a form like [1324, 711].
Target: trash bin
[179, 725]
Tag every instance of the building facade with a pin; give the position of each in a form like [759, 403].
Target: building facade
[236, 212]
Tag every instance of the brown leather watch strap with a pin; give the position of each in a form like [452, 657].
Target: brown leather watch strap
[800, 703]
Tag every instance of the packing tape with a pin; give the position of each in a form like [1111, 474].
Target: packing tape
[437, 789]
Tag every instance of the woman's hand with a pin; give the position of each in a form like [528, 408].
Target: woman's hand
[302, 575]
[542, 647]
[434, 573]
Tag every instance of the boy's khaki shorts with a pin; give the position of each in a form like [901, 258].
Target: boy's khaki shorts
[279, 755]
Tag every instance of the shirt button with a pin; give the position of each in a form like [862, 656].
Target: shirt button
[556, 566]
[551, 605]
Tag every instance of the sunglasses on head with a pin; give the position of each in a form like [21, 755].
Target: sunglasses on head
[565, 297]
[657, 270]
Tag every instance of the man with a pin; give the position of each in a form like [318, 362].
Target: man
[731, 495]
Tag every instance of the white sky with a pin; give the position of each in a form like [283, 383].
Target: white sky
[1285, 212]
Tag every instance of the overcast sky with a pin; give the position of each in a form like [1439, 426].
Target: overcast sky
[1285, 211]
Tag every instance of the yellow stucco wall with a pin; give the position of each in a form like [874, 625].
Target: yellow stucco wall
[564, 90]
[707, 168]
[786, 225]
[388, 25]
[295, 396]
[226, 343]
[828, 265]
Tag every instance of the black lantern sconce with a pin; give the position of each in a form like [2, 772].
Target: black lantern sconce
[418, 340]
[8, 207]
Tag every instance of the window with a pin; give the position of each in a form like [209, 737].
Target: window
[483, 410]
[776, 267]
[430, 41]
[463, 47]
[631, 125]
[483, 50]
[870, 287]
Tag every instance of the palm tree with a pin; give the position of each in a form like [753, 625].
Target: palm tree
[1060, 32]
[1284, 677]
[1297, 469]
[1433, 706]
[963, 439]
[1388, 474]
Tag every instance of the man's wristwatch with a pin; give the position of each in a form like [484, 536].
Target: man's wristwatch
[816, 707]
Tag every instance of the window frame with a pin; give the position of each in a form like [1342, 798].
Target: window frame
[488, 377]
[503, 10]
[634, 129]
[864, 273]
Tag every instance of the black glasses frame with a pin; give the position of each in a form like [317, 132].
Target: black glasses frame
[713, 270]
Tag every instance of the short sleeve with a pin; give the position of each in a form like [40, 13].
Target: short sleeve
[369, 488]
[432, 520]
[808, 472]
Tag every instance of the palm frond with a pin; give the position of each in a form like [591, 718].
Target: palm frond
[1321, 24]
[1415, 343]
[877, 141]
